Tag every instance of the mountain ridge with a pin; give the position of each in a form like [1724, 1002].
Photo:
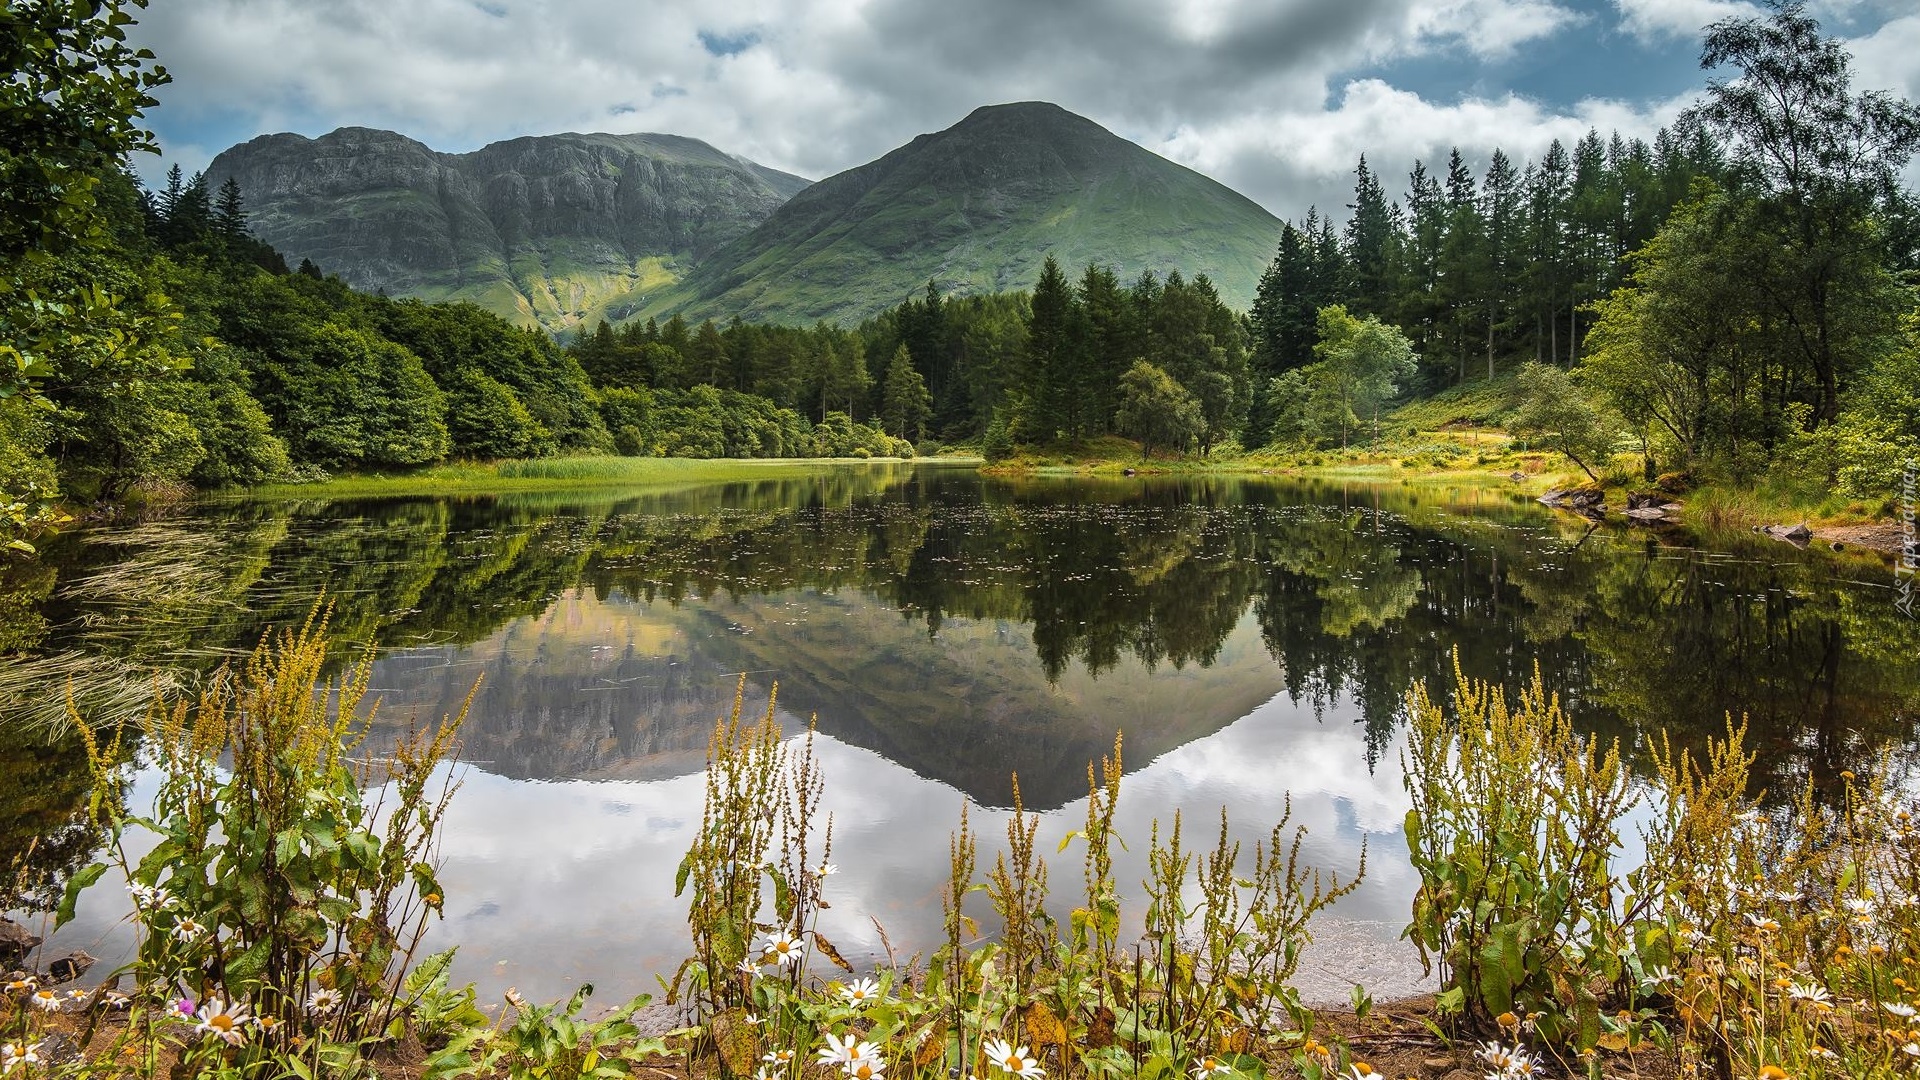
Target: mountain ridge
[564, 230]
[546, 229]
[977, 207]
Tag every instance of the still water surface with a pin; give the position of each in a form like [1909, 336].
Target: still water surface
[1252, 640]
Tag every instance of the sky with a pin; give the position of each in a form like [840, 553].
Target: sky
[1275, 98]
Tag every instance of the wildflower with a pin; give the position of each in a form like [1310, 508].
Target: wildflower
[1653, 978]
[861, 992]
[45, 1000]
[1912, 1049]
[1210, 1066]
[1823, 1053]
[21, 986]
[184, 1007]
[266, 1024]
[12, 1054]
[1772, 1072]
[223, 1021]
[1359, 1070]
[779, 1057]
[187, 929]
[1898, 1008]
[1762, 923]
[845, 1051]
[1013, 1059]
[1862, 909]
[748, 967]
[867, 1067]
[782, 949]
[323, 1001]
[825, 869]
[1787, 897]
[1813, 994]
[753, 1019]
[1507, 1061]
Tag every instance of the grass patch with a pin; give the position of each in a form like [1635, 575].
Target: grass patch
[533, 474]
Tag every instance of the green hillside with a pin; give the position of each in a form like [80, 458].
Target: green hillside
[554, 230]
[977, 207]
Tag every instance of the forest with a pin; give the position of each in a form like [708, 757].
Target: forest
[1733, 299]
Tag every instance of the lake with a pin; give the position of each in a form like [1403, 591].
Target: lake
[1252, 638]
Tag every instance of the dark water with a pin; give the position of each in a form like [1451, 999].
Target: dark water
[1250, 639]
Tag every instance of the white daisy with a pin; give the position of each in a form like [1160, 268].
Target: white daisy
[866, 1068]
[1898, 1008]
[825, 869]
[861, 992]
[323, 1001]
[1013, 1059]
[188, 930]
[1210, 1066]
[839, 1051]
[12, 1054]
[782, 949]
[1812, 993]
[225, 1022]
[45, 1000]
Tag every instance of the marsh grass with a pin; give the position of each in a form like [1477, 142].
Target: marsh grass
[1748, 942]
[1208, 985]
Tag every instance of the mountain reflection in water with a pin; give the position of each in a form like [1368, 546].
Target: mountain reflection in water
[947, 630]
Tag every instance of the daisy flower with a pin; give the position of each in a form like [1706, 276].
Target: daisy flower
[782, 949]
[188, 930]
[779, 1057]
[46, 1000]
[1013, 1059]
[1899, 1009]
[825, 869]
[1812, 993]
[866, 1068]
[748, 967]
[839, 1051]
[1210, 1066]
[861, 992]
[225, 1022]
[1359, 1070]
[1762, 923]
[323, 1001]
[12, 1054]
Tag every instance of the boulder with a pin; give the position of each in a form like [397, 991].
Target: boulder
[15, 942]
[1552, 498]
[1799, 534]
[1646, 514]
[69, 967]
[1580, 500]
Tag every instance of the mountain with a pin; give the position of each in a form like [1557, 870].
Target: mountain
[555, 230]
[978, 207]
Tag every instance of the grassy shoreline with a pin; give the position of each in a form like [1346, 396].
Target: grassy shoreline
[542, 474]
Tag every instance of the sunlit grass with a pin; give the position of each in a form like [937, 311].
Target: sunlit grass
[479, 478]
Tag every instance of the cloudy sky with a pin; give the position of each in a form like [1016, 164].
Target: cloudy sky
[1276, 98]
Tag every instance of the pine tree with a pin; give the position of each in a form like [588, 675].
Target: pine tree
[229, 218]
[1369, 234]
[905, 404]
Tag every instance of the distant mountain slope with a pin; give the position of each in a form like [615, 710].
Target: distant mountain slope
[555, 230]
[978, 207]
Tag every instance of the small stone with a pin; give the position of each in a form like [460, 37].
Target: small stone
[1799, 532]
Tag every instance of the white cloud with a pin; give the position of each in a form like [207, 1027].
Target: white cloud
[812, 86]
[1884, 59]
[1652, 19]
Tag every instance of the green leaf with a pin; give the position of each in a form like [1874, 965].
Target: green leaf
[71, 896]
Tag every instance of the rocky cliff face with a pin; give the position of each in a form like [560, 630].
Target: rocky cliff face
[557, 230]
